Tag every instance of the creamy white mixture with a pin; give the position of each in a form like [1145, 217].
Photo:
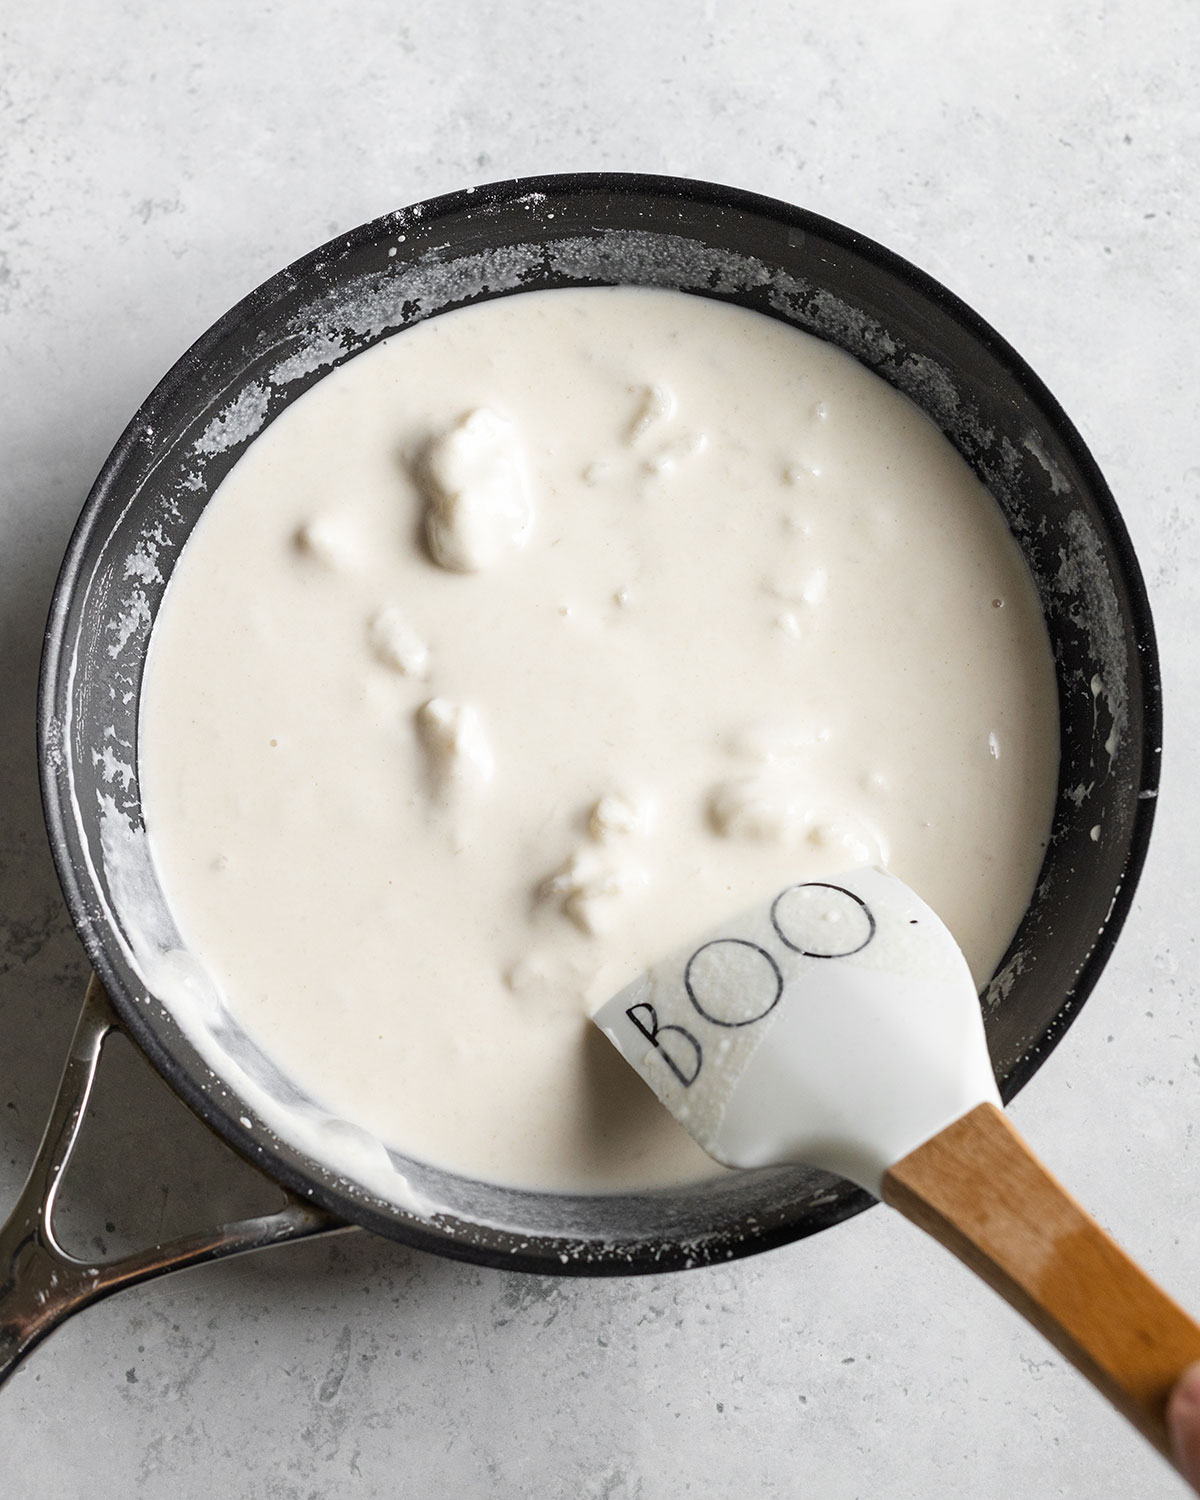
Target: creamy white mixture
[538, 640]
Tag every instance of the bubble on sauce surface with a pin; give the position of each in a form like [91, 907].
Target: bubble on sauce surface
[455, 744]
[807, 589]
[761, 808]
[656, 405]
[615, 814]
[590, 887]
[332, 541]
[396, 644]
[671, 455]
[473, 477]
[789, 624]
[773, 807]
[852, 839]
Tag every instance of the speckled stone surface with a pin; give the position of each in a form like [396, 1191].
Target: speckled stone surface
[156, 162]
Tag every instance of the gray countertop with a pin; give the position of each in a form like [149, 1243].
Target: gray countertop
[157, 162]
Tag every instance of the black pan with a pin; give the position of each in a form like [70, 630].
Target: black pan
[605, 229]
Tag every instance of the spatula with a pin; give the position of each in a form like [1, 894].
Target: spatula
[838, 1025]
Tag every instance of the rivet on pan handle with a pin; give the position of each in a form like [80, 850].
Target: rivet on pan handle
[40, 1284]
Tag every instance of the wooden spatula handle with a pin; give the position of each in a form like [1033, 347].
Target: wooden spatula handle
[979, 1189]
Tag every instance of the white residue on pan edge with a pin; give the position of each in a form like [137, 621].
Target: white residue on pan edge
[384, 299]
[316, 354]
[237, 422]
[1002, 981]
[1084, 577]
[134, 617]
[112, 768]
[333, 323]
[142, 563]
[1059, 482]
[53, 747]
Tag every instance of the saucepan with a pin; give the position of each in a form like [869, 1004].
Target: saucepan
[499, 241]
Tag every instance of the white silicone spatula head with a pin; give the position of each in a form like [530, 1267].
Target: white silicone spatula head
[836, 1024]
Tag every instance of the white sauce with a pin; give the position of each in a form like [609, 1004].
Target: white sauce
[535, 641]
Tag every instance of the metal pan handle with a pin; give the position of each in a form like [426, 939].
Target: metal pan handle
[40, 1283]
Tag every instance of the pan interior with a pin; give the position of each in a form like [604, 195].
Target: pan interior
[578, 231]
